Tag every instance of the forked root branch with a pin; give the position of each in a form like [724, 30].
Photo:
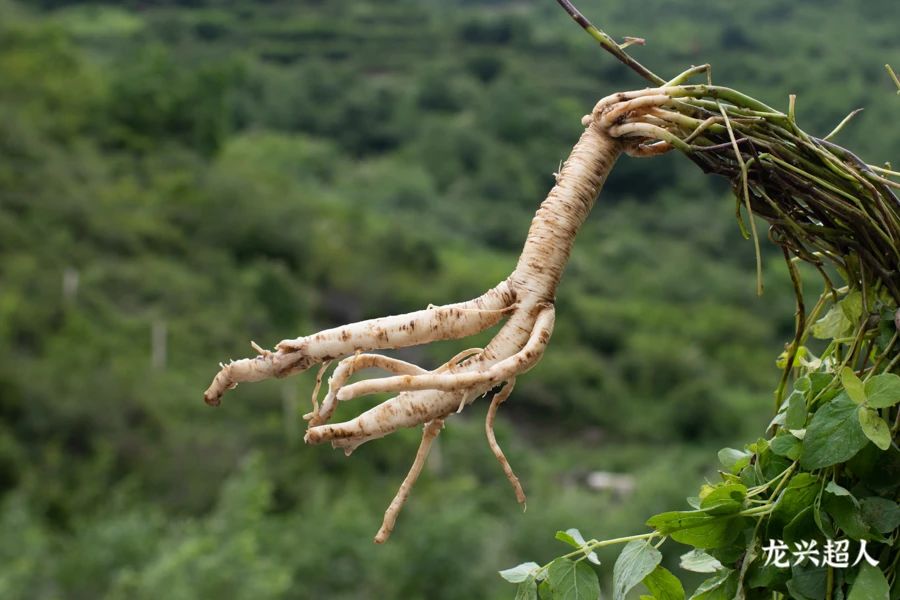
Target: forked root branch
[525, 299]
[431, 431]
[499, 398]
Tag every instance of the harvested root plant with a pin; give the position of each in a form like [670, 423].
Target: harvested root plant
[524, 299]
[825, 207]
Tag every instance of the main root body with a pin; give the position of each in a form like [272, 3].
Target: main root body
[525, 299]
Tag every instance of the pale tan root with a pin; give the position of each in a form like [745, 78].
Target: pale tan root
[407, 409]
[430, 432]
[520, 362]
[499, 398]
[526, 298]
[668, 116]
[438, 323]
[618, 111]
[420, 327]
[420, 403]
[644, 130]
[458, 358]
[315, 392]
[621, 97]
[645, 150]
[350, 365]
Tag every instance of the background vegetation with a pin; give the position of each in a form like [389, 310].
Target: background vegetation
[226, 171]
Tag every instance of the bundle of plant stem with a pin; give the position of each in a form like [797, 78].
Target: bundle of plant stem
[824, 205]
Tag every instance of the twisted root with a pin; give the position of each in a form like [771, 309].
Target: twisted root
[525, 299]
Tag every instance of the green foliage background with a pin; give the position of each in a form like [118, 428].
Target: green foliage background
[242, 170]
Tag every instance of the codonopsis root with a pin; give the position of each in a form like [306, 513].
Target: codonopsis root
[525, 300]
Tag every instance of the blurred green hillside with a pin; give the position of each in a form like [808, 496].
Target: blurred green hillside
[217, 172]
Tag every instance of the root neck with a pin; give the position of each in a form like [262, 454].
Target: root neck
[562, 214]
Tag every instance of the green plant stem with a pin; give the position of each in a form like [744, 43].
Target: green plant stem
[758, 511]
[893, 77]
[687, 74]
[784, 479]
[609, 44]
[841, 125]
[746, 194]
[885, 171]
[881, 357]
[591, 545]
[594, 544]
[890, 367]
[761, 488]
[800, 323]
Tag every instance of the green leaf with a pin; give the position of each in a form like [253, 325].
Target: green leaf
[874, 427]
[574, 538]
[778, 419]
[664, 585]
[527, 590]
[878, 469]
[567, 537]
[834, 434]
[759, 446]
[721, 586]
[853, 385]
[696, 528]
[801, 527]
[520, 573]
[573, 580]
[724, 499]
[799, 355]
[847, 516]
[838, 490]
[818, 382]
[833, 325]
[852, 306]
[883, 514]
[824, 522]
[799, 493]
[870, 584]
[699, 561]
[770, 465]
[807, 581]
[749, 477]
[766, 576]
[883, 390]
[734, 460]
[787, 445]
[795, 417]
[637, 560]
